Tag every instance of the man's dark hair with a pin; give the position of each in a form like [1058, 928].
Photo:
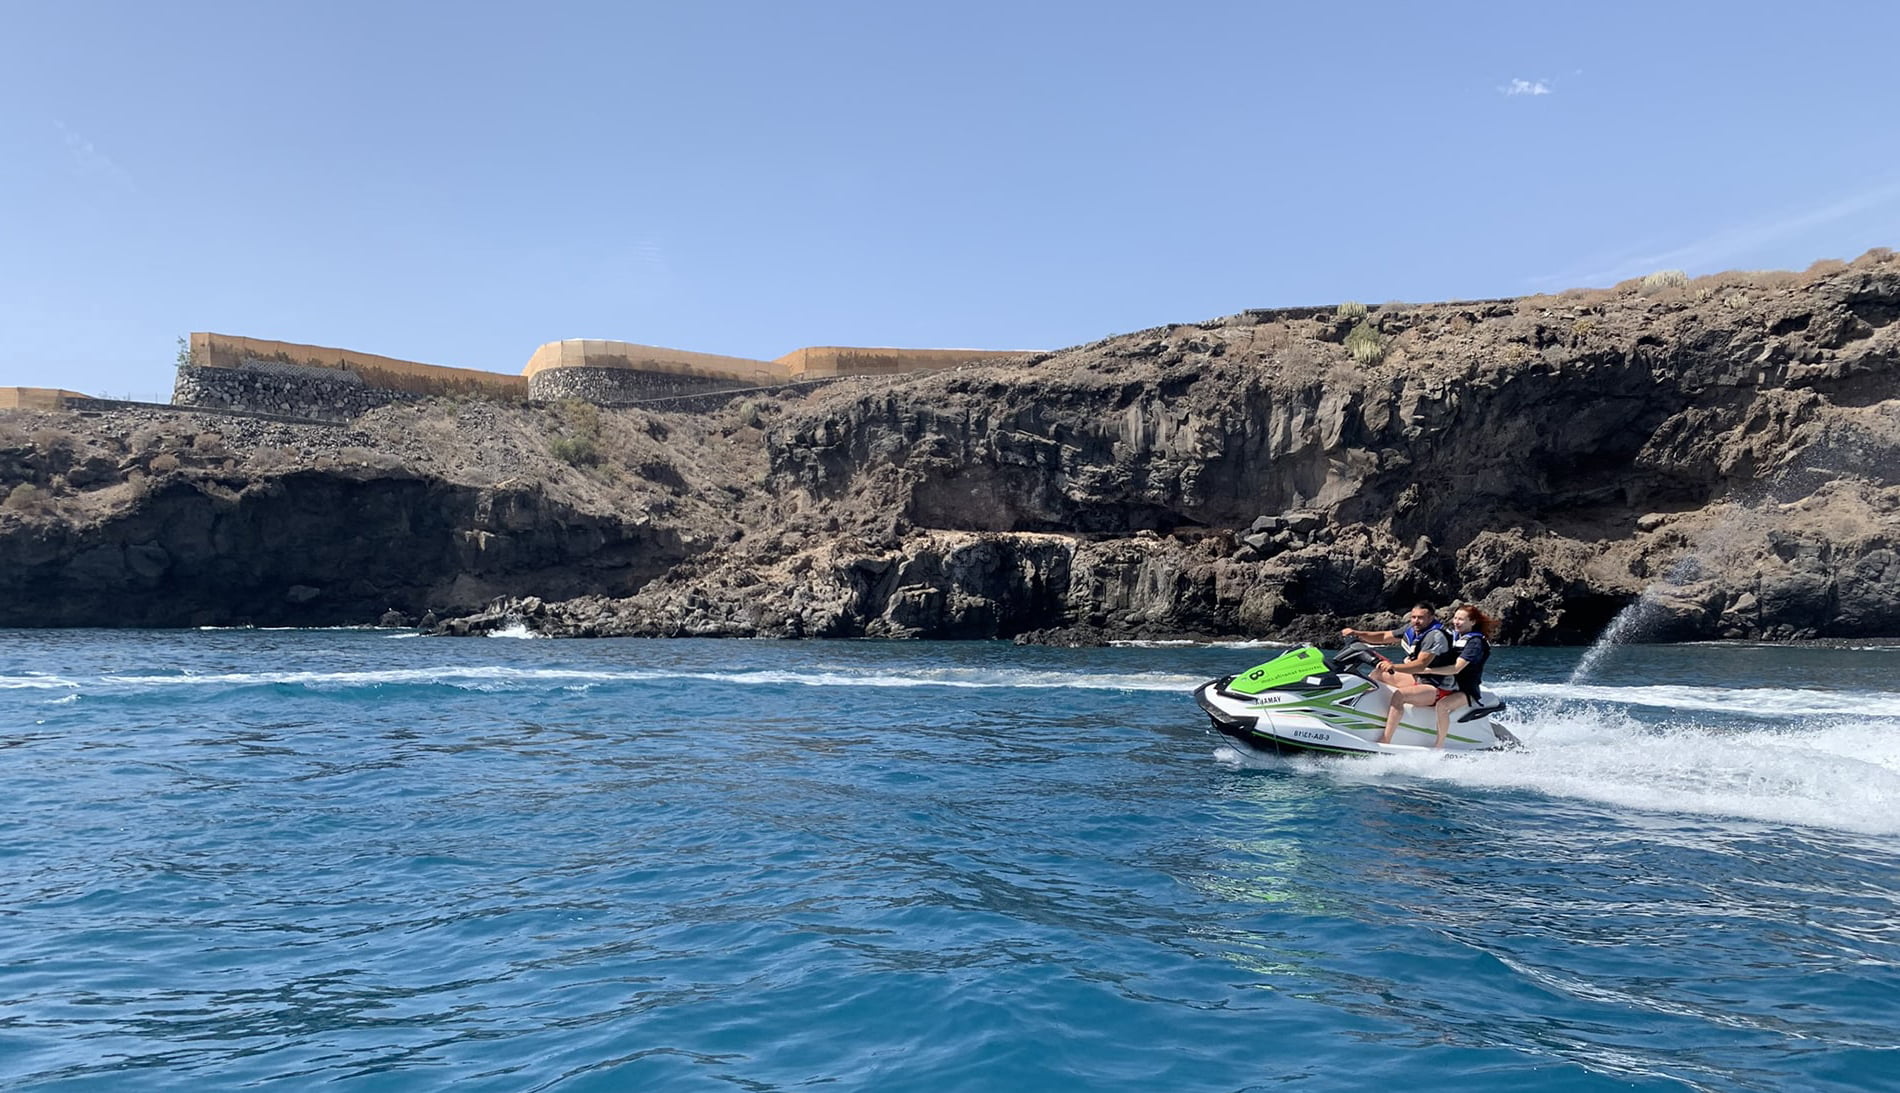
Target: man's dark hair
[1426, 606]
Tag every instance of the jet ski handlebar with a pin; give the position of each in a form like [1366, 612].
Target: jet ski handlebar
[1357, 655]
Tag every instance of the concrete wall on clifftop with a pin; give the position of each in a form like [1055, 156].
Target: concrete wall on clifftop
[383, 373]
[35, 398]
[231, 372]
[816, 362]
[610, 372]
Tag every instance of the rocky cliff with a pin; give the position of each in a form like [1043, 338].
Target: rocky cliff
[1725, 452]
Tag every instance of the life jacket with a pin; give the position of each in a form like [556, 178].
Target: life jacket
[1410, 640]
[1474, 651]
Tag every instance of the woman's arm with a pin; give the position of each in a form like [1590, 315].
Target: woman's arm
[1427, 670]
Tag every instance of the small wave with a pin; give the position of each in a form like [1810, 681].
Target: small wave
[1860, 645]
[1770, 701]
[1841, 775]
[500, 677]
[291, 629]
[514, 630]
[35, 683]
[972, 678]
[1187, 643]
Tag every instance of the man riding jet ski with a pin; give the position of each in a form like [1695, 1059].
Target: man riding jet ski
[1335, 703]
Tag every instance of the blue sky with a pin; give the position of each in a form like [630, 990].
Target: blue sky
[459, 183]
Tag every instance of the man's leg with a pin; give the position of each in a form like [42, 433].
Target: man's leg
[1416, 695]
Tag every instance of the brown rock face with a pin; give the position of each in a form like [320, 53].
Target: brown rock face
[153, 519]
[1725, 453]
[271, 553]
[1730, 444]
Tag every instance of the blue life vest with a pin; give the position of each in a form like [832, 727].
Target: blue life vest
[1474, 651]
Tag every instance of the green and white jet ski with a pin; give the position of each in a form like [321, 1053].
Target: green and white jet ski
[1322, 702]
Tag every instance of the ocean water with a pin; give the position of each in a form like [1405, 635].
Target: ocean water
[360, 860]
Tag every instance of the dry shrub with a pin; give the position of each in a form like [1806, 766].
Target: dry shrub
[1826, 266]
[1875, 255]
[1351, 309]
[273, 458]
[367, 457]
[163, 463]
[1586, 297]
[25, 498]
[209, 445]
[1271, 337]
[753, 412]
[1298, 356]
[1661, 280]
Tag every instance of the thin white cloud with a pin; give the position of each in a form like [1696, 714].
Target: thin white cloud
[1525, 87]
[1726, 245]
[90, 163]
[648, 254]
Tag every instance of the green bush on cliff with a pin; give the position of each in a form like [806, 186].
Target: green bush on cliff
[580, 445]
[1365, 343]
[576, 451]
[1351, 309]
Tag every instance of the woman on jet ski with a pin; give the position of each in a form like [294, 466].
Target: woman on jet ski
[1472, 631]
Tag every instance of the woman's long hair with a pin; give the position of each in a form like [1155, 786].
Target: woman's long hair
[1487, 625]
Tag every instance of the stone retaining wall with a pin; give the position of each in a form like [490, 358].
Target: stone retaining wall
[619, 386]
[318, 393]
[385, 373]
[309, 381]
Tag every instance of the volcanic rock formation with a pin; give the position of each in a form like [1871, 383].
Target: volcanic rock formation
[1725, 451]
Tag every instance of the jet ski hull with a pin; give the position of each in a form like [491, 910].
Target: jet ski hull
[1337, 710]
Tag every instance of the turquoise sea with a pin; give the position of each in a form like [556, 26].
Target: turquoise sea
[364, 860]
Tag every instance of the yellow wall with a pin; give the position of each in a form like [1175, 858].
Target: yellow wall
[837, 360]
[815, 362]
[35, 398]
[601, 353]
[386, 373]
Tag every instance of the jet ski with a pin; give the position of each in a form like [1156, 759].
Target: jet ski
[1323, 702]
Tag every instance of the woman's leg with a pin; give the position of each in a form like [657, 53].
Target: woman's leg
[1446, 707]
